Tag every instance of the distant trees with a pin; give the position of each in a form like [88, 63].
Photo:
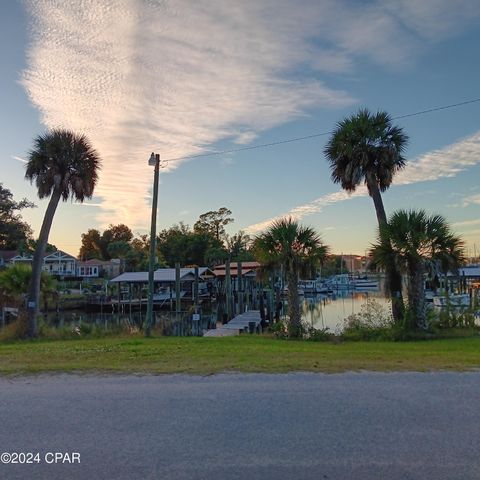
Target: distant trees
[189, 247]
[239, 247]
[206, 244]
[214, 223]
[334, 265]
[91, 246]
[14, 231]
[97, 245]
[63, 165]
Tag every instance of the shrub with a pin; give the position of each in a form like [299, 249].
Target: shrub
[373, 322]
[319, 334]
[15, 330]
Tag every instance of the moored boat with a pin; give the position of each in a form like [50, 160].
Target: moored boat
[365, 283]
[452, 300]
[340, 282]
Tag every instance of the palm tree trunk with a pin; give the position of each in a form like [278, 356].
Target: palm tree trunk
[34, 289]
[416, 294]
[294, 326]
[374, 192]
[394, 277]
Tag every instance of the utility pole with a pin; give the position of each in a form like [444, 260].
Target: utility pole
[154, 161]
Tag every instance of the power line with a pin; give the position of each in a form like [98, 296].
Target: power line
[314, 135]
[436, 109]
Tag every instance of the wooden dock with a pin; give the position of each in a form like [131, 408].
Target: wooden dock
[243, 323]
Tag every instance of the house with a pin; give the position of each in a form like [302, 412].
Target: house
[56, 263]
[26, 258]
[95, 268]
[60, 263]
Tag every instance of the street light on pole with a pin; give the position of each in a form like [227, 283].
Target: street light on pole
[153, 161]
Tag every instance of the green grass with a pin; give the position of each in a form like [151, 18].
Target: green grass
[192, 355]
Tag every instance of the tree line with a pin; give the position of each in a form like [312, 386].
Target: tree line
[207, 243]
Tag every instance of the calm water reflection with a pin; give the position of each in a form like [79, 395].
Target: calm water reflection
[330, 311]
[320, 311]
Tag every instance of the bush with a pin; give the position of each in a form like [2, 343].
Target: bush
[373, 322]
[15, 330]
[319, 335]
[455, 318]
[279, 329]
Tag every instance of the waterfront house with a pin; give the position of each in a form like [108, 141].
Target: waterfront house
[95, 268]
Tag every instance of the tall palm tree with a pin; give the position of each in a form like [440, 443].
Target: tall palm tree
[419, 243]
[63, 165]
[295, 248]
[366, 148]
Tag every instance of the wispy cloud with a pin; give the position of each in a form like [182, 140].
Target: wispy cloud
[310, 208]
[19, 159]
[178, 76]
[446, 162]
[227, 161]
[466, 223]
[471, 200]
[86, 204]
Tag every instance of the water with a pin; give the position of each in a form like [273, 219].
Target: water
[319, 311]
[330, 311]
[166, 323]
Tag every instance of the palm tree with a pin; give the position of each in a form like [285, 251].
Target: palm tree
[15, 280]
[295, 248]
[64, 165]
[366, 148]
[420, 243]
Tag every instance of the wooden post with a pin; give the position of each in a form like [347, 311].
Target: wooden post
[195, 290]
[228, 291]
[178, 305]
[239, 287]
[119, 296]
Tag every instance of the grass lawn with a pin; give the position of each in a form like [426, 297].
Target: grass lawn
[240, 354]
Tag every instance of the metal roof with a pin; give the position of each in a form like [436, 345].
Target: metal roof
[233, 273]
[470, 271]
[162, 275]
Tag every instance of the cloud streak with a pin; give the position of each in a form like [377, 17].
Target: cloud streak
[19, 159]
[442, 163]
[177, 76]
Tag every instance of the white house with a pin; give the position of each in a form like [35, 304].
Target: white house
[56, 263]
[95, 268]
[60, 263]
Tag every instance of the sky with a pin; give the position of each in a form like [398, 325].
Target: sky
[183, 78]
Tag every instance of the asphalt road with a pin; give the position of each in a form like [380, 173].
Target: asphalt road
[295, 426]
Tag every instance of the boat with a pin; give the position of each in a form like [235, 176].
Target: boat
[308, 286]
[429, 294]
[452, 300]
[364, 282]
[340, 282]
[322, 287]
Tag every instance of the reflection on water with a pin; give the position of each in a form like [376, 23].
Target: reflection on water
[319, 311]
[165, 323]
[330, 311]
[107, 320]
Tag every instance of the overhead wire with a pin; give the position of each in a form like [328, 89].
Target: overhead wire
[307, 137]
